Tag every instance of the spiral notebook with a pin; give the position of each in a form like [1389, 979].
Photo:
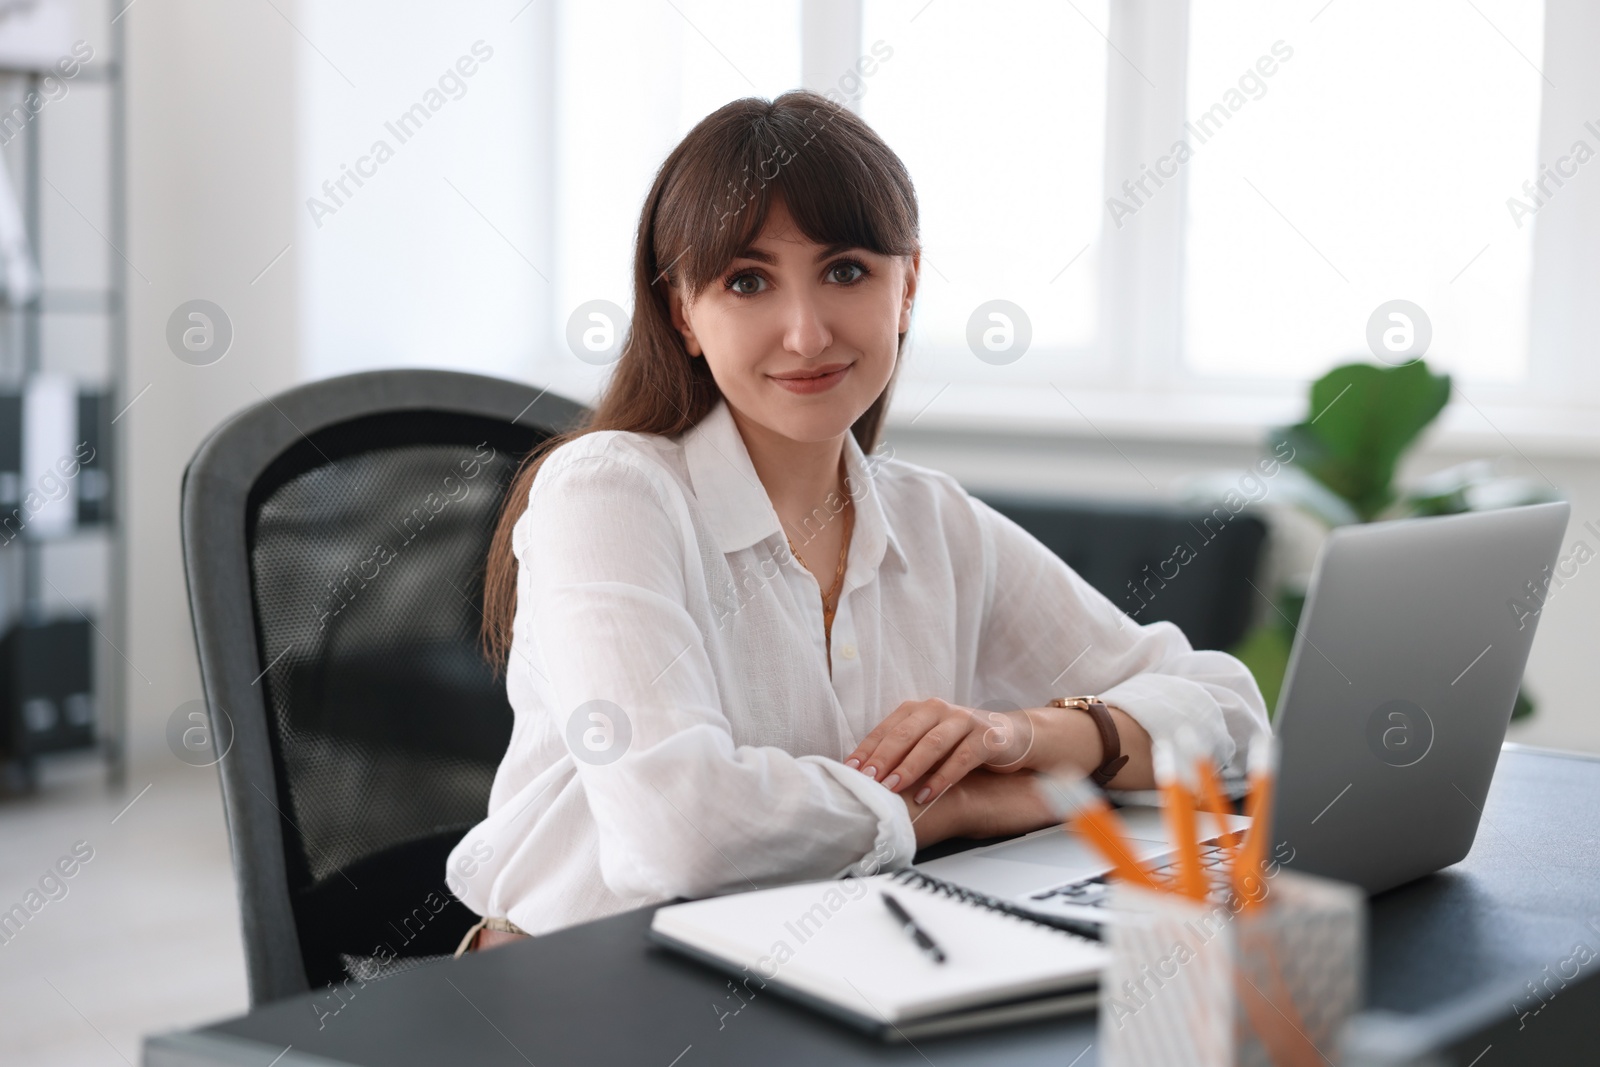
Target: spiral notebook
[835, 946]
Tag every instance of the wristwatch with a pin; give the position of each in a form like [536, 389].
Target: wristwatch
[1110, 741]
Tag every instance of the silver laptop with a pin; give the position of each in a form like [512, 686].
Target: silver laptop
[1403, 674]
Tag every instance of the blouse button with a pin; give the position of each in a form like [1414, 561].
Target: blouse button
[849, 651]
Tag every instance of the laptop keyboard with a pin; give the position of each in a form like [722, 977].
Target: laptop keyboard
[1095, 892]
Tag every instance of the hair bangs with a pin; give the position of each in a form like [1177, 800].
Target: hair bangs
[815, 160]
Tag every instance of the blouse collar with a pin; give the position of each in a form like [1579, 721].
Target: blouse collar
[738, 511]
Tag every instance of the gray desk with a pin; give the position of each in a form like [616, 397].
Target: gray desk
[598, 994]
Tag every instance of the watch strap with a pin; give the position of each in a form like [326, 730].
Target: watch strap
[1112, 759]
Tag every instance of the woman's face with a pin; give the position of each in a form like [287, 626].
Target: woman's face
[788, 306]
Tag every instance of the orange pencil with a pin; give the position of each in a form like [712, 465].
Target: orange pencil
[1212, 800]
[1262, 767]
[1083, 809]
[1177, 808]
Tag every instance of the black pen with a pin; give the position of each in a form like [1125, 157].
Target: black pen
[918, 934]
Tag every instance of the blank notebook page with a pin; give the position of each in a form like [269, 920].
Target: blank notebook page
[838, 940]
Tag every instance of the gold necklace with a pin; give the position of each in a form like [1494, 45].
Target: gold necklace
[838, 576]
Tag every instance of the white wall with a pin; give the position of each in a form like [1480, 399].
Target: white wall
[211, 184]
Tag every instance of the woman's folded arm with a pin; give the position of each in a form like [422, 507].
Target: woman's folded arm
[1050, 631]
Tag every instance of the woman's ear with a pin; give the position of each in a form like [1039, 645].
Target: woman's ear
[910, 295]
[680, 320]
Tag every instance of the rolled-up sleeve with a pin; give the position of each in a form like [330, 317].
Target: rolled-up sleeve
[1047, 632]
[681, 810]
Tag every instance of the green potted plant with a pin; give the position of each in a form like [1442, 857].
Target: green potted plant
[1363, 418]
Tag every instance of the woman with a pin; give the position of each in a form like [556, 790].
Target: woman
[745, 645]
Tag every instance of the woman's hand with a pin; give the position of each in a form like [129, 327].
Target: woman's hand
[942, 742]
[982, 804]
[1000, 805]
[923, 736]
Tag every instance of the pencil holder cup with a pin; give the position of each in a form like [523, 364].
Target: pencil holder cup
[1202, 983]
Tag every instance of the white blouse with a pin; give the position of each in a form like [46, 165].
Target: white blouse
[676, 729]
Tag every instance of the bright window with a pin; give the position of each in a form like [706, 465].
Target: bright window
[999, 112]
[1374, 164]
[624, 99]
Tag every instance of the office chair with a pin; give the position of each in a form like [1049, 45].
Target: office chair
[334, 542]
[1130, 553]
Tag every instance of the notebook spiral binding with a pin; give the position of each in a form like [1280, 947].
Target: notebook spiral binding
[910, 876]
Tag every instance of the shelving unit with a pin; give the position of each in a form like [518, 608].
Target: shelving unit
[64, 309]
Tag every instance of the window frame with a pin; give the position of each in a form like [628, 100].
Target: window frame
[1140, 362]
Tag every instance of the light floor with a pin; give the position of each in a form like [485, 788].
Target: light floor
[146, 937]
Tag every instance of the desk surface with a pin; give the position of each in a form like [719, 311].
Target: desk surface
[597, 993]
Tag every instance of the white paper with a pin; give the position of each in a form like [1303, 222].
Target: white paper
[49, 457]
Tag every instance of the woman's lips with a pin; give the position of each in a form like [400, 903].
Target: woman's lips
[819, 384]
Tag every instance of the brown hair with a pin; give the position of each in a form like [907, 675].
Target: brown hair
[709, 201]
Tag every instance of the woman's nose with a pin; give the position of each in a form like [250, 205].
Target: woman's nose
[806, 331]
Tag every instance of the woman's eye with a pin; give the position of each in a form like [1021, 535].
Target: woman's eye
[746, 284]
[842, 272]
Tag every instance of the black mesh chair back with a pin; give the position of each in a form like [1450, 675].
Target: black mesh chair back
[1188, 566]
[335, 539]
